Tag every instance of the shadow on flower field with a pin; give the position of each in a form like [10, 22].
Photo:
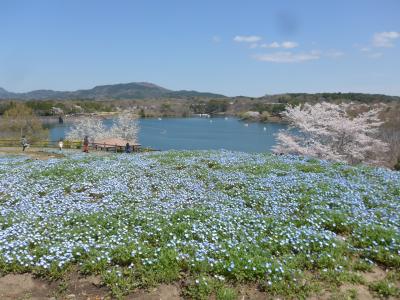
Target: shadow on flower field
[196, 225]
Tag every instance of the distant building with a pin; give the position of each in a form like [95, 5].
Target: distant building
[78, 108]
[252, 114]
[57, 111]
[202, 115]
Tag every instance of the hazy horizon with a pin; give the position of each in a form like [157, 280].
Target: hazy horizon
[215, 92]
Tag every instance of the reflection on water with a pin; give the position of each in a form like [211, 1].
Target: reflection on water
[197, 133]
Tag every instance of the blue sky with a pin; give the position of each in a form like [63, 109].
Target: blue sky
[231, 47]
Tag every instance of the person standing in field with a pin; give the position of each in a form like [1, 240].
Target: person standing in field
[86, 144]
[128, 148]
[24, 143]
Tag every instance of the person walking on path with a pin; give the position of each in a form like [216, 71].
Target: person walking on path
[86, 144]
[60, 144]
[24, 143]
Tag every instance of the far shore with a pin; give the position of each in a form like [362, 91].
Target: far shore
[109, 115]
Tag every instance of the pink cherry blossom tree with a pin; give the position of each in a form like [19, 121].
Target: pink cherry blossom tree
[87, 126]
[329, 131]
[125, 127]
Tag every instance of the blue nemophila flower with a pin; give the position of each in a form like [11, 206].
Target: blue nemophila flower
[232, 213]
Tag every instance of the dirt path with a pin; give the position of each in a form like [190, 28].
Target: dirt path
[34, 153]
[26, 287]
[43, 153]
[77, 287]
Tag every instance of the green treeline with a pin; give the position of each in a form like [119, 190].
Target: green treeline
[271, 104]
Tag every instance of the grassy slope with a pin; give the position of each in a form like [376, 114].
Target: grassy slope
[211, 220]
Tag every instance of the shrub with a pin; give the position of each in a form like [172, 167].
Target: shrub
[397, 166]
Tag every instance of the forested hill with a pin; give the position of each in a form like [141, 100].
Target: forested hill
[330, 97]
[145, 90]
[134, 90]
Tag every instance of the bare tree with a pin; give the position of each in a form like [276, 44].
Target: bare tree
[390, 132]
[19, 120]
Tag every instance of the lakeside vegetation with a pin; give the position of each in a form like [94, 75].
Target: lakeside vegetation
[263, 109]
[211, 221]
[189, 103]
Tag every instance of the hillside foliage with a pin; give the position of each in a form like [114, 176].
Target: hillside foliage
[20, 120]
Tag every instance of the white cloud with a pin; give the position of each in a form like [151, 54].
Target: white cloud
[385, 39]
[334, 53]
[365, 49]
[286, 45]
[289, 45]
[287, 57]
[216, 39]
[272, 45]
[247, 38]
[254, 45]
[376, 55]
[316, 52]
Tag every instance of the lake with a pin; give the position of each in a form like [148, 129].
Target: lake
[198, 134]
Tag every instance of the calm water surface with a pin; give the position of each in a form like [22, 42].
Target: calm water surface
[198, 133]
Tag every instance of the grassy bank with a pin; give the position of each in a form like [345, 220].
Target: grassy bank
[209, 222]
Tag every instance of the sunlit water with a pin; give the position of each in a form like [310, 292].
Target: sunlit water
[198, 133]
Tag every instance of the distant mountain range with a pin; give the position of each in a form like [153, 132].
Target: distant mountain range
[134, 90]
[146, 90]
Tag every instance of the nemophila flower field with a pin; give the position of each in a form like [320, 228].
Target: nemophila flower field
[211, 220]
